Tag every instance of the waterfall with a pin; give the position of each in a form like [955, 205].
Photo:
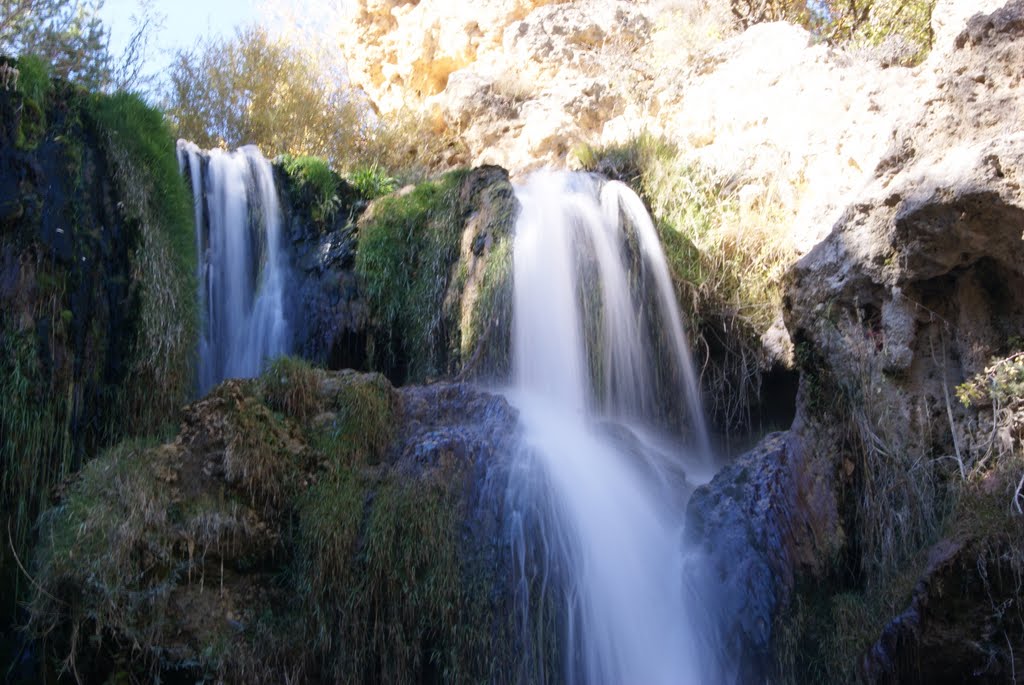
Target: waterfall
[596, 497]
[242, 262]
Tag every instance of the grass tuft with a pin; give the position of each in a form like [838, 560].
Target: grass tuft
[290, 386]
[315, 175]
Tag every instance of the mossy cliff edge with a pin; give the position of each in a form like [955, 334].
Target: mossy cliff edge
[97, 306]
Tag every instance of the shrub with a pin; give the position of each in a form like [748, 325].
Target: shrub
[372, 181]
[315, 175]
[856, 23]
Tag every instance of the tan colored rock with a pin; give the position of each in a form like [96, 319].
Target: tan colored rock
[403, 51]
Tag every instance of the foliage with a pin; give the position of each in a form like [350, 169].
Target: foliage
[35, 88]
[154, 197]
[36, 450]
[365, 408]
[727, 261]
[1001, 382]
[851, 22]
[407, 248]
[314, 175]
[991, 438]
[367, 553]
[68, 36]
[254, 89]
[372, 181]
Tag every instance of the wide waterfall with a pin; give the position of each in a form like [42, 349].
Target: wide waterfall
[600, 362]
[242, 262]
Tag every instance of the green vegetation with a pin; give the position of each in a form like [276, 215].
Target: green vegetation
[727, 261]
[372, 181]
[489, 329]
[154, 199]
[313, 175]
[34, 87]
[365, 408]
[407, 249]
[66, 36]
[290, 386]
[36, 451]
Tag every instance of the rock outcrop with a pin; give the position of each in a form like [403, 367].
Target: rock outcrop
[329, 317]
[917, 288]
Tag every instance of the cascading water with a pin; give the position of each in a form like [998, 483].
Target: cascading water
[596, 498]
[242, 263]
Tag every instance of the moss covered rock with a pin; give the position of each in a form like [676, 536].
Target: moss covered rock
[346, 537]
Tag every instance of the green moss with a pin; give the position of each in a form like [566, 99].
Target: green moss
[407, 250]
[316, 176]
[154, 199]
[365, 408]
[822, 637]
[35, 88]
[388, 595]
[490, 327]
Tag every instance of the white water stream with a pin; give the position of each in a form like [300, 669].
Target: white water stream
[242, 263]
[598, 346]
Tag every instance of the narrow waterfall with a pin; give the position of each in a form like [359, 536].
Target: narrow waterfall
[242, 262]
[597, 494]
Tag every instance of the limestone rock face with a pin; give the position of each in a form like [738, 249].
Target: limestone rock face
[523, 83]
[786, 117]
[949, 18]
[935, 239]
[402, 51]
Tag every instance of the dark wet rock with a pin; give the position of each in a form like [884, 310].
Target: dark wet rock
[762, 520]
[328, 315]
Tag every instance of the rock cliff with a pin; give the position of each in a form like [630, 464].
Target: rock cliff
[892, 498]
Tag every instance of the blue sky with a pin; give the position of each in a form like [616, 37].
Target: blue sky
[185, 21]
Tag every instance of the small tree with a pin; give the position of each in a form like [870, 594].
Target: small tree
[67, 35]
[255, 89]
